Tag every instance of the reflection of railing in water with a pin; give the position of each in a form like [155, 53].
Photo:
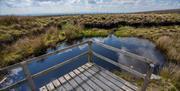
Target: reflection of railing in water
[29, 78]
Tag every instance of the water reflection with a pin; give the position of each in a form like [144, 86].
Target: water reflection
[135, 45]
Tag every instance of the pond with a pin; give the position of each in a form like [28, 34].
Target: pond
[135, 45]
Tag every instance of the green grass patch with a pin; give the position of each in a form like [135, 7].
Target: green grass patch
[95, 33]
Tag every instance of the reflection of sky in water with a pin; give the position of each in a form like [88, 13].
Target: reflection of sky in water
[82, 47]
[13, 76]
[139, 46]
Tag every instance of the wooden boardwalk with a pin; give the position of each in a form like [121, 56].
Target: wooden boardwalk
[89, 77]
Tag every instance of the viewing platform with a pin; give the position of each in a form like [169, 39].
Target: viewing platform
[89, 76]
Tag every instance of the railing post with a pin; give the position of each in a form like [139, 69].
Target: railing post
[89, 51]
[28, 75]
[147, 77]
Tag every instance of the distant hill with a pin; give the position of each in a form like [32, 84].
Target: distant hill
[161, 11]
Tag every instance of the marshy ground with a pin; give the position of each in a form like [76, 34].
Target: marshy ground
[26, 37]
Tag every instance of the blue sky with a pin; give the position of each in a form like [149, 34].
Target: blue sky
[40, 7]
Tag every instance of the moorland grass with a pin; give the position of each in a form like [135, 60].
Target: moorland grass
[24, 37]
[166, 38]
[30, 46]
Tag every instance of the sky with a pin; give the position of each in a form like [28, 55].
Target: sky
[48, 7]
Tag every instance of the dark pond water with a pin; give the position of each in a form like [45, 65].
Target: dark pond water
[135, 45]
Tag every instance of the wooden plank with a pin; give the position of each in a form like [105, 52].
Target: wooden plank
[72, 74]
[85, 67]
[50, 86]
[90, 83]
[56, 83]
[81, 69]
[61, 88]
[120, 79]
[67, 77]
[89, 64]
[62, 80]
[65, 83]
[116, 82]
[105, 81]
[43, 88]
[98, 82]
[74, 84]
[82, 83]
[76, 71]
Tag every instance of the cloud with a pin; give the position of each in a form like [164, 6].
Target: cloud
[81, 6]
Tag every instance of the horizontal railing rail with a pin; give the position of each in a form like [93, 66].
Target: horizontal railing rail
[44, 72]
[29, 77]
[146, 76]
[43, 56]
[141, 58]
[124, 67]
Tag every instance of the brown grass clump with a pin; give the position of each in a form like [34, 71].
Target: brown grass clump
[30, 46]
[52, 36]
[164, 42]
[72, 32]
[22, 49]
[171, 73]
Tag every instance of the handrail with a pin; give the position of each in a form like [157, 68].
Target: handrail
[141, 58]
[30, 77]
[44, 56]
[13, 85]
[44, 72]
[90, 52]
[129, 69]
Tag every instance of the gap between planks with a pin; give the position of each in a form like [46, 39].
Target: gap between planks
[63, 79]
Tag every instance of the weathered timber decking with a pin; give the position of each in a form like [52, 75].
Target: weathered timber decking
[89, 77]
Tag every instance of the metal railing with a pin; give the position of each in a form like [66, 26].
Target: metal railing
[29, 77]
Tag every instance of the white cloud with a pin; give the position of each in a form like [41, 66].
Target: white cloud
[81, 6]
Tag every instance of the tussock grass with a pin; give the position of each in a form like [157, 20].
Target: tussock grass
[13, 29]
[171, 73]
[21, 49]
[166, 38]
[30, 46]
[24, 37]
[72, 32]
